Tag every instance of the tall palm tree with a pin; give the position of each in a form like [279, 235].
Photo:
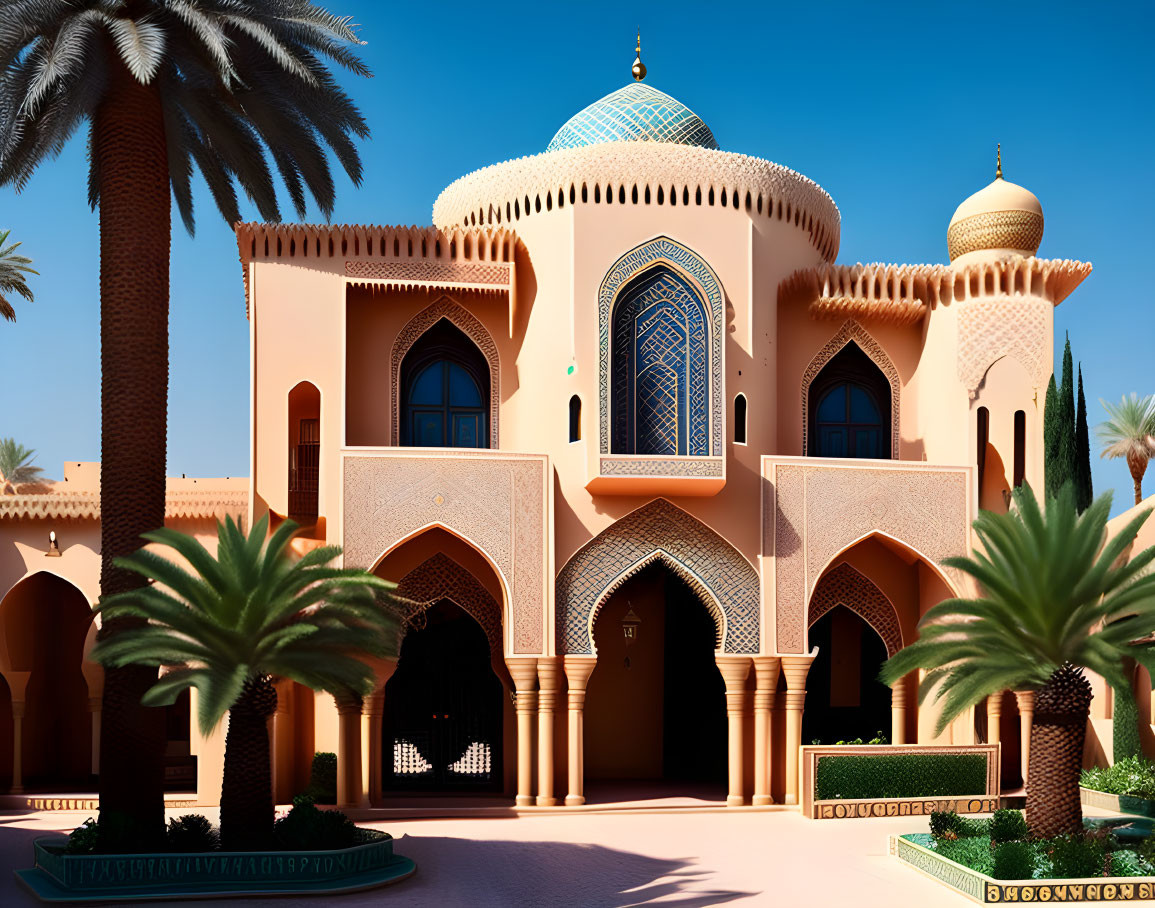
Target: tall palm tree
[232, 624]
[1129, 432]
[13, 271]
[16, 465]
[165, 87]
[1053, 602]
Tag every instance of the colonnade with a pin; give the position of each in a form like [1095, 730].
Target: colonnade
[1025, 700]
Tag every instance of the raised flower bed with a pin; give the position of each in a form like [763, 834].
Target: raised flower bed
[61, 877]
[1128, 786]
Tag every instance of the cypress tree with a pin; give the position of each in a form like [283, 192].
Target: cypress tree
[1051, 429]
[1066, 459]
[1084, 492]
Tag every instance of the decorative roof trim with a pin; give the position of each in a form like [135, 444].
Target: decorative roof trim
[902, 294]
[458, 258]
[206, 503]
[640, 172]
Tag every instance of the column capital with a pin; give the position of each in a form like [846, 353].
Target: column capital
[1025, 700]
[995, 704]
[796, 668]
[766, 671]
[898, 693]
[548, 672]
[734, 669]
[523, 670]
[578, 670]
[795, 699]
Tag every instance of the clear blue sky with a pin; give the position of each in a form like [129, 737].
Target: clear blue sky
[894, 109]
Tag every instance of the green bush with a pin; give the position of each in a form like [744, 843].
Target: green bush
[1013, 861]
[305, 828]
[1007, 826]
[192, 833]
[900, 776]
[1133, 776]
[1075, 856]
[943, 822]
[323, 778]
[1125, 862]
[82, 840]
[1125, 727]
[973, 852]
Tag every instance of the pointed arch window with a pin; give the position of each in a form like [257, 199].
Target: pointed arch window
[660, 368]
[850, 408]
[445, 391]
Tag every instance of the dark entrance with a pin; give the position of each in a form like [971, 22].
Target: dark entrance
[661, 716]
[844, 698]
[443, 718]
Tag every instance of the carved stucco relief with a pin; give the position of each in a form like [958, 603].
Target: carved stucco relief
[989, 329]
[440, 577]
[853, 331]
[468, 325]
[846, 586]
[659, 531]
[812, 513]
[496, 502]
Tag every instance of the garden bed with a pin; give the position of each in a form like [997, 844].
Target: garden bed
[1127, 786]
[61, 877]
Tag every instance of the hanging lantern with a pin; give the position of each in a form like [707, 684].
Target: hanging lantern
[630, 624]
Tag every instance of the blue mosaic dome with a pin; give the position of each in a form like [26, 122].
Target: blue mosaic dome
[636, 113]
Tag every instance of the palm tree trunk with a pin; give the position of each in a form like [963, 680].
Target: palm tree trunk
[1056, 754]
[129, 151]
[1138, 466]
[247, 788]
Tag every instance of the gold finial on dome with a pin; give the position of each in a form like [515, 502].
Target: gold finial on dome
[999, 161]
[639, 68]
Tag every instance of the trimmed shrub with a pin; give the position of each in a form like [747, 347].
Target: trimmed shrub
[305, 828]
[82, 840]
[946, 824]
[1125, 727]
[1125, 862]
[1013, 861]
[192, 833]
[1133, 776]
[323, 778]
[1007, 826]
[1074, 856]
[973, 852]
[900, 776]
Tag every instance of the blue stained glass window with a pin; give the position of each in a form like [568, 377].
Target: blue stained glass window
[833, 406]
[850, 408]
[660, 367]
[445, 391]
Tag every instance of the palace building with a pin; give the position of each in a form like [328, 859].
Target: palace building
[661, 483]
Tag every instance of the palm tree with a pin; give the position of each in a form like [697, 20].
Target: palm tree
[13, 269]
[232, 624]
[16, 465]
[165, 87]
[1053, 602]
[1130, 432]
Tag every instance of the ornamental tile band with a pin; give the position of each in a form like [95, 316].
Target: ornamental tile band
[846, 586]
[1021, 230]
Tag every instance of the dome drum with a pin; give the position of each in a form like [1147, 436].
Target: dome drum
[1017, 230]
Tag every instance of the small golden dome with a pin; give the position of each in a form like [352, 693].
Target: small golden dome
[639, 68]
[1000, 218]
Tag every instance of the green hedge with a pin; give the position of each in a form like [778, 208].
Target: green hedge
[900, 776]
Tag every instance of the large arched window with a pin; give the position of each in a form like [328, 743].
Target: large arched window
[444, 391]
[660, 367]
[849, 404]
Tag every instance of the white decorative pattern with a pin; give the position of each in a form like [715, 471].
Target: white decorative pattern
[852, 331]
[431, 272]
[989, 329]
[495, 501]
[641, 466]
[468, 324]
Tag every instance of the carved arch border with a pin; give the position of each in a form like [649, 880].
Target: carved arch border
[723, 579]
[853, 331]
[469, 325]
[845, 585]
[662, 250]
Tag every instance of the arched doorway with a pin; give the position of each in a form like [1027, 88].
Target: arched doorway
[442, 726]
[655, 712]
[844, 698]
[45, 621]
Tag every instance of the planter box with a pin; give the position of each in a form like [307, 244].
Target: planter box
[60, 877]
[982, 888]
[1140, 807]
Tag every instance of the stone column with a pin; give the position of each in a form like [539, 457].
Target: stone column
[348, 752]
[734, 671]
[1026, 701]
[524, 673]
[281, 744]
[94, 712]
[372, 713]
[766, 670]
[898, 711]
[577, 673]
[795, 668]
[994, 717]
[547, 678]
[17, 747]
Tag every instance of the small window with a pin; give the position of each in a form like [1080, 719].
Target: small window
[1020, 447]
[740, 419]
[983, 436]
[575, 418]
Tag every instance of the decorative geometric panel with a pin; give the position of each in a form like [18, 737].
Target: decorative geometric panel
[440, 577]
[635, 113]
[462, 319]
[852, 331]
[1014, 229]
[660, 367]
[662, 304]
[495, 501]
[989, 329]
[848, 587]
[812, 512]
[725, 582]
